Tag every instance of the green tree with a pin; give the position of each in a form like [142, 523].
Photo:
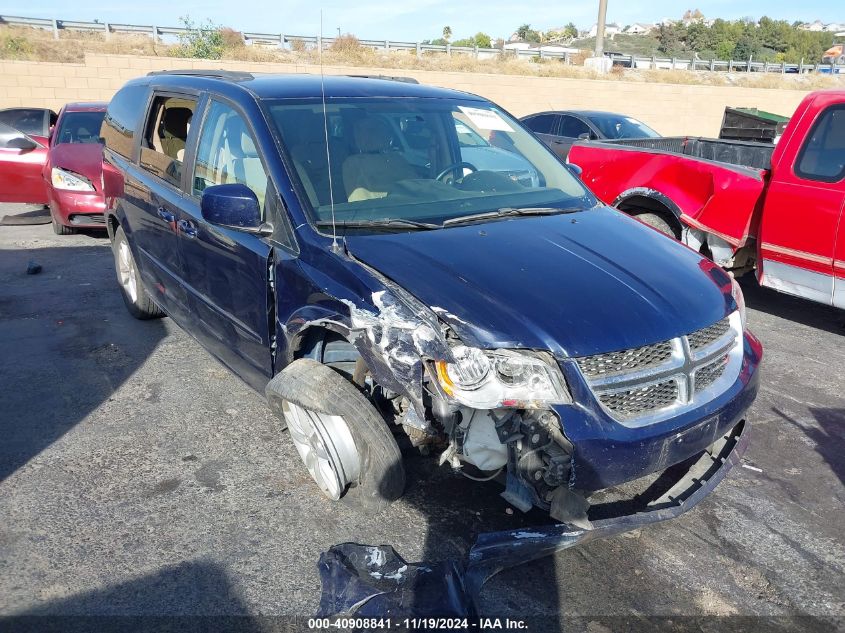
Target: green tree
[746, 47]
[570, 30]
[698, 37]
[671, 38]
[482, 40]
[527, 34]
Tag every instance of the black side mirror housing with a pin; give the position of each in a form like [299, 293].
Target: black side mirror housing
[234, 206]
[23, 143]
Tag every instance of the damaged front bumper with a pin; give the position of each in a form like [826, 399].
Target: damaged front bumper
[496, 551]
[374, 580]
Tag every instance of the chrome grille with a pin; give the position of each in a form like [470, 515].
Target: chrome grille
[707, 375]
[626, 360]
[648, 384]
[634, 402]
[702, 338]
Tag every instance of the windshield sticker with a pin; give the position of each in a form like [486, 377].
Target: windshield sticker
[486, 119]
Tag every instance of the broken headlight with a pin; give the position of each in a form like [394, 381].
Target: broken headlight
[502, 378]
[69, 181]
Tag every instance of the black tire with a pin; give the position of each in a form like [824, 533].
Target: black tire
[141, 306]
[320, 388]
[61, 229]
[658, 222]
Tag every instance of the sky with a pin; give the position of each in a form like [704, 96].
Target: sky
[409, 20]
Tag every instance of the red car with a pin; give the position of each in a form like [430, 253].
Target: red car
[777, 209]
[74, 169]
[23, 152]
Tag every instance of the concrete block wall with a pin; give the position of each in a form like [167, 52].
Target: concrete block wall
[671, 109]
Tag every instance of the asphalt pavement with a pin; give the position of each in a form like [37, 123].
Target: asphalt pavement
[139, 477]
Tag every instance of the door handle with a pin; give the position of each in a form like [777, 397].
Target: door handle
[187, 228]
[166, 215]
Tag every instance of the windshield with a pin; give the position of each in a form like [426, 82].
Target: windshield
[617, 126]
[79, 127]
[418, 160]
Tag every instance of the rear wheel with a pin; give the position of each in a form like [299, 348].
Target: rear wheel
[656, 221]
[137, 301]
[343, 441]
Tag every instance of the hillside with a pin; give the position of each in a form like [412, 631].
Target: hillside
[32, 44]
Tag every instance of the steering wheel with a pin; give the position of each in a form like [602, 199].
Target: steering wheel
[455, 166]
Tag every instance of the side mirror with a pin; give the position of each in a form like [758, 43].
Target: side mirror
[575, 169]
[23, 143]
[234, 206]
[584, 136]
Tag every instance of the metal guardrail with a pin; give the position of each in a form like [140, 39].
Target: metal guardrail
[286, 40]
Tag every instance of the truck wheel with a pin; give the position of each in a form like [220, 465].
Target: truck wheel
[345, 444]
[135, 297]
[657, 222]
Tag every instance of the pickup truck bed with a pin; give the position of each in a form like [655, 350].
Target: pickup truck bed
[703, 183]
[777, 209]
[739, 153]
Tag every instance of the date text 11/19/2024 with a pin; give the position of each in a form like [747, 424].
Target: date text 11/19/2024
[418, 624]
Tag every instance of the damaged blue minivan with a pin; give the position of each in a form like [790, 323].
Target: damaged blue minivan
[392, 263]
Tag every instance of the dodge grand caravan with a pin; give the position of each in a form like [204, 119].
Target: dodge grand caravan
[331, 243]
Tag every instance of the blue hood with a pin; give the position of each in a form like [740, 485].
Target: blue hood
[575, 284]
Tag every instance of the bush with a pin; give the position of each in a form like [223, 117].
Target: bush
[15, 47]
[231, 38]
[345, 44]
[201, 41]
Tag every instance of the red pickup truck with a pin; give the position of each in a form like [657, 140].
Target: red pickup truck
[749, 206]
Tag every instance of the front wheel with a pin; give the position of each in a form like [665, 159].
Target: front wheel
[59, 228]
[137, 301]
[343, 441]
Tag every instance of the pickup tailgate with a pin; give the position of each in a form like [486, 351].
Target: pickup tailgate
[714, 196]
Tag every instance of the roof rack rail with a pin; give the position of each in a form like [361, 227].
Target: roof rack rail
[234, 75]
[407, 80]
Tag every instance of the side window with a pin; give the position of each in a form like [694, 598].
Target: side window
[122, 117]
[227, 154]
[823, 155]
[8, 135]
[542, 123]
[165, 133]
[27, 120]
[572, 127]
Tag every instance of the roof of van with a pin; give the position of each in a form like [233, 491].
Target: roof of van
[300, 86]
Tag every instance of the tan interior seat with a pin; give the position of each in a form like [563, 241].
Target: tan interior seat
[174, 131]
[240, 161]
[375, 168]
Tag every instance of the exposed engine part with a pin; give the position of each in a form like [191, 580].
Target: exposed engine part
[540, 458]
[419, 437]
[481, 445]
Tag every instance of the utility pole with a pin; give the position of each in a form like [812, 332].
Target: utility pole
[600, 28]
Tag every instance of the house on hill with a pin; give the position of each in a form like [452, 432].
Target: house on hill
[610, 29]
[638, 29]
